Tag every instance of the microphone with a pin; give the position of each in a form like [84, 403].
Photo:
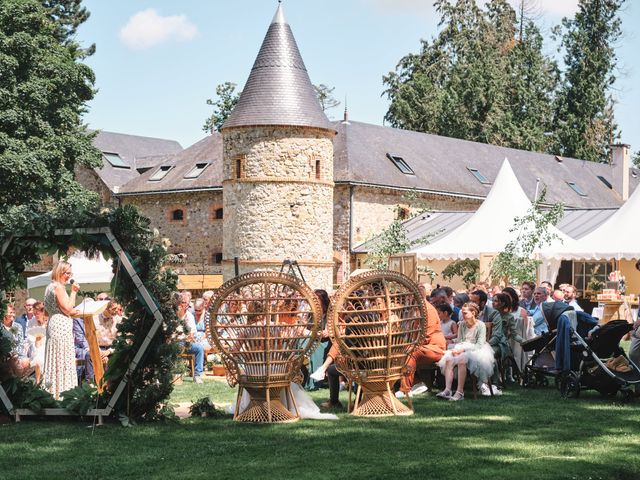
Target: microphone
[72, 281]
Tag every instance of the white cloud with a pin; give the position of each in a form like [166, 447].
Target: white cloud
[403, 7]
[147, 28]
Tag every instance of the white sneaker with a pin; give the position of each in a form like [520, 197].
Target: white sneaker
[400, 394]
[418, 389]
[484, 390]
[318, 375]
[496, 391]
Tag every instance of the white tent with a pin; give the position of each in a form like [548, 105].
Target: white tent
[617, 238]
[488, 229]
[90, 274]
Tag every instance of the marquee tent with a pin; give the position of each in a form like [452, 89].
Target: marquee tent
[617, 238]
[488, 229]
[91, 274]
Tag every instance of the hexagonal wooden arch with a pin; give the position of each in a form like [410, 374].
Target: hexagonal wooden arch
[149, 303]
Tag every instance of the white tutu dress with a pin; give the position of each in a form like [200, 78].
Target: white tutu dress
[478, 354]
[306, 406]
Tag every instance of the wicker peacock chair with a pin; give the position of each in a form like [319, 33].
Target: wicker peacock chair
[263, 324]
[376, 319]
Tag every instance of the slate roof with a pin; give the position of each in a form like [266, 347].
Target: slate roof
[438, 224]
[278, 91]
[441, 165]
[208, 150]
[131, 149]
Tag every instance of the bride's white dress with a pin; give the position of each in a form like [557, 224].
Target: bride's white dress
[306, 406]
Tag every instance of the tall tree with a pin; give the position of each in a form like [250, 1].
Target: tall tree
[585, 125]
[223, 105]
[68, 15]
[44, 93]
[325, 96]
[476, 80]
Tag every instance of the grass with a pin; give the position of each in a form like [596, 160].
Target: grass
[524, 433]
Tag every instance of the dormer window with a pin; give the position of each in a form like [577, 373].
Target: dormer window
[605, 181]
[576, 188]
[160, 173]
[401, 164]
[196, 171]
[479, 176]
[115, 160]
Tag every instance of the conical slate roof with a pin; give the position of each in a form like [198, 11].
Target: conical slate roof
[278, 91]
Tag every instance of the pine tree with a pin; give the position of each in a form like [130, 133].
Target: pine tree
[477, 80]
[585, 124]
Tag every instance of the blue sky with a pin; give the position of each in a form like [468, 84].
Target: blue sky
[157, 61]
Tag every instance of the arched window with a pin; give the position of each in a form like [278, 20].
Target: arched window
[216, 258]
[219, 213]
[177, 215]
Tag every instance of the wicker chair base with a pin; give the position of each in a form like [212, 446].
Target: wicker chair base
[266, 406]
[378, 400]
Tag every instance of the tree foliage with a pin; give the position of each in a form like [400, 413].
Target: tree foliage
[585, 125]
[223, 105]
[44, 90]
[475, 80]
[467, 269]
[325, 96]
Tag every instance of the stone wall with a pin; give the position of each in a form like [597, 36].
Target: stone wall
[198, 234]
[278, 199]
[375, 208]
[90, 180]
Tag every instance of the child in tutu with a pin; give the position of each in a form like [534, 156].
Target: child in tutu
[471, 351]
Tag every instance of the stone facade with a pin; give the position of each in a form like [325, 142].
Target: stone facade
[89, 179]
[278, 197]
[198, 234]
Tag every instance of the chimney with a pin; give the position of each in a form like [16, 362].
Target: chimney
[620, 166]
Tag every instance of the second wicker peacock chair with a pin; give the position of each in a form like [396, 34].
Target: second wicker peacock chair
[376, 319]
[263, 324]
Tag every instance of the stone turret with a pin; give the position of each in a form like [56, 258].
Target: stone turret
[278, 167]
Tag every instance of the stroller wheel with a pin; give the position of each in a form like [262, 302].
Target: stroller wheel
[627, 395]
[528, 378]
[570, 385]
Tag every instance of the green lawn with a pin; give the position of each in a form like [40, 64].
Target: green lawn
[529, 434]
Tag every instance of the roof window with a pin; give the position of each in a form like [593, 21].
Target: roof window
[576, 188]
[196, 171]
[115, 160]
[401, 164]
[479, 176]
[160, 173]
[605, 181]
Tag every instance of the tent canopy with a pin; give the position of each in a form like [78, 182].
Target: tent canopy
[616, 238]
[85, 272]
[488, 229]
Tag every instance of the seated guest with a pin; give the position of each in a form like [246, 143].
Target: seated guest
[107, 328]
[35, 335]
[471, 351]
[188, 335]
[84, 365]
[504, 326]
[540, 297]
[526, 291]
[455, 315]
[448, 326]
[201, 324]
[549, 288]
[429, 352]
[487, 314]
[460, 299]
[27, 319]
[523, 327]
[14, 332]
[570, 297]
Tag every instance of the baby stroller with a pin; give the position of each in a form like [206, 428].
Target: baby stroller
[603, 366]
[585, 361]
[542, 363]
